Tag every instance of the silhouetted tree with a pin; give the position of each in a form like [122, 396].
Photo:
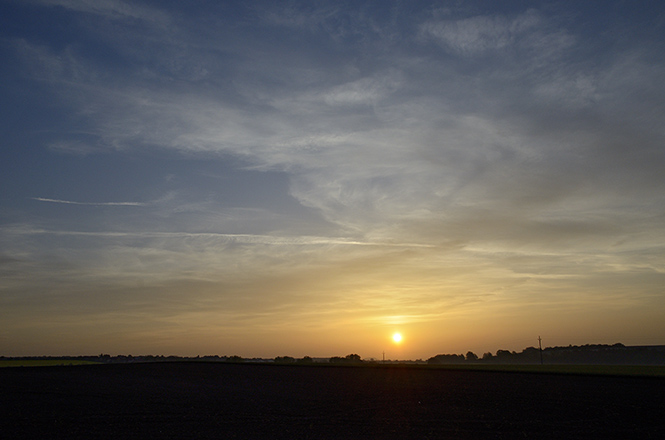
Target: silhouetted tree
[529, 355]
[503, 356]
[446, 359]
[284, 360]
[348, 359]
[353, 358]
[471, 357]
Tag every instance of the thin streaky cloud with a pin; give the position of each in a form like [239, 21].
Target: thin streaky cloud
[69, 202]
[114, 9]
[236, 238]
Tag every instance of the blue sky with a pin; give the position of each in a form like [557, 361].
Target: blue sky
[304, 178]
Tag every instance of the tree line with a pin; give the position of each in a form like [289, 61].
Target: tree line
[617, 354]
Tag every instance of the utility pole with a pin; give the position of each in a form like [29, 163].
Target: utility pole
[384, 357]
[540, 348]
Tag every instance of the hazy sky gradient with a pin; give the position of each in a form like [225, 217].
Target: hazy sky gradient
[304, 178]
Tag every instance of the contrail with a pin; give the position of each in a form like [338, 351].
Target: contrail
[69, 202]
[235, 238]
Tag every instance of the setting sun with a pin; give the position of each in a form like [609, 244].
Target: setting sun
[397, 338]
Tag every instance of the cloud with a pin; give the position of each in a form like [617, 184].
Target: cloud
[223, 238]
[365, 91]
[69, 202]
[298, 18]
[74, 147]
[479, 34]
[375, 151]
[337, 23]
[114, 9]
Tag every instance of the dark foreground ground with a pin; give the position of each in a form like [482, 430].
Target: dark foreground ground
[217, 400]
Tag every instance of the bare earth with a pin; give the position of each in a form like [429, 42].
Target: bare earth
[217, 400]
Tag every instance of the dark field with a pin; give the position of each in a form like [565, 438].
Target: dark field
[217, 400]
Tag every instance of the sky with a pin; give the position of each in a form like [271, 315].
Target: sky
[261, 178]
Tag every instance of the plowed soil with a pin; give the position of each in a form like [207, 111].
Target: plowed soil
[220, 401]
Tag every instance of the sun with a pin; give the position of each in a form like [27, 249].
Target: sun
[397, 338]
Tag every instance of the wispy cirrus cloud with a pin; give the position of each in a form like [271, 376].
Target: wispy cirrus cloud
[229, 238]
[483, 34]
[382, 148]
[69, 202]
[114, 9]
